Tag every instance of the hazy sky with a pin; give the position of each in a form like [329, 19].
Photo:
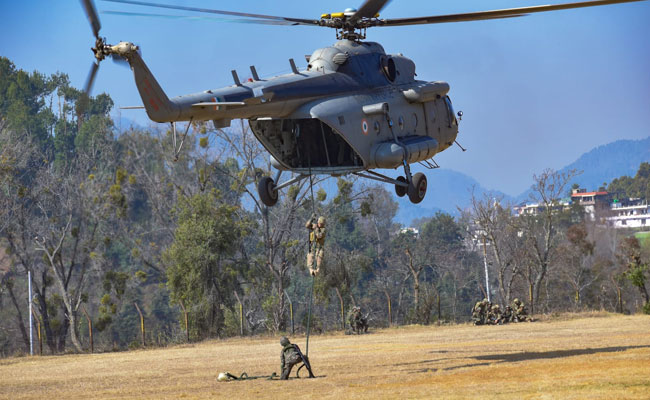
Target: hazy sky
[536, 91]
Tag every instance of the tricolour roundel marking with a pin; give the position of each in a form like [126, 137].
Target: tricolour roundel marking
[364, 126]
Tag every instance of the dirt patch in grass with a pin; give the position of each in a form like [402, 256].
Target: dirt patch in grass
[589, 356]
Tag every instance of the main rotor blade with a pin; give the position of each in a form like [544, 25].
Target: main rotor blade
[495, 14]
[91, 13]
[297, 21]
[369, 9]
[201, 17]
[91, 78]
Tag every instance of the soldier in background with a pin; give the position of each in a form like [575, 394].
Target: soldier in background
[494, 315]
[519, 312]
[479, 312]
[507, 315]
[316, 243]
[476, 313]
[356, 320]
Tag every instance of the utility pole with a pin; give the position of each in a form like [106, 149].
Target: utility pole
[31, 319]
[485, 263]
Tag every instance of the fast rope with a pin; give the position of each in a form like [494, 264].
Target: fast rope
[227, 376]
[313, 259]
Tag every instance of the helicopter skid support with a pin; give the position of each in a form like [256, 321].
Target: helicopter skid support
[291, 181]
[177, 149]
[381, 178]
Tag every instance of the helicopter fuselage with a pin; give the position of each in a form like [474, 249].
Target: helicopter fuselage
[354, 108]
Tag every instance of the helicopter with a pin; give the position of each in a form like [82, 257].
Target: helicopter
[354, 109]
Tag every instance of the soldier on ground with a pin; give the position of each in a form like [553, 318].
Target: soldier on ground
[356, 320]
[316, 243]
[519, 312]
[507, 315]
[479, 312]
[494, 315]
[290, 356]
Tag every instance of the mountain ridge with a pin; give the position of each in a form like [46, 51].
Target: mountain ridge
[450, 190]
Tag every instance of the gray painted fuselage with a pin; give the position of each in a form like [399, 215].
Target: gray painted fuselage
[354, 108]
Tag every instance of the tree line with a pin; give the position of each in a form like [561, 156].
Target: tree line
[111, 222]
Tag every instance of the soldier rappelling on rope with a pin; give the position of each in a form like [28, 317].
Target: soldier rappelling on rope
[317, 234]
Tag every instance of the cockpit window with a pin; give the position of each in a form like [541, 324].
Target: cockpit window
[388, 66]
[450, 112]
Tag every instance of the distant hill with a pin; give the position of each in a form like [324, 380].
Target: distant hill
[606, 162]
[449, 189]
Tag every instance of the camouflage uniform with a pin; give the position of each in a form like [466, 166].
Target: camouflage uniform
[316, 243]
[519, 311]
[494, 315]
[479, 312]
[476, 313]
[356, 320]
[507, 315]
[289, 357]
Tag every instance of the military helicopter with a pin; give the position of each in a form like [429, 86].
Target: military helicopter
[354, 108]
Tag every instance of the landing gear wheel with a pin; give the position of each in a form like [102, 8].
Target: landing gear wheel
[418, 188]
[266, 190]
[400, 190]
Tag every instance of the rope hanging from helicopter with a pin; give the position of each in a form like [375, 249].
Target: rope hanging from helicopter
[313, 259]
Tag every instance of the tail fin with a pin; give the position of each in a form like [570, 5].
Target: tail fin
[158, 106]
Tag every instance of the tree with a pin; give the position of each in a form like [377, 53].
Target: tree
[203, 267]
[275, 248]
[500, 229]
[639, 186]
[542, 232]
[636, 264]
[578, 259]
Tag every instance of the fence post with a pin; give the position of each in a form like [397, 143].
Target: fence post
[141, 322]
[390, 308]
[241, 314]
[40, 338]
[293, 331]
[90, 329]
[187, 325]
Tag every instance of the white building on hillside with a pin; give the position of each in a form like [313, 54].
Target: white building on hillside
[633, 213]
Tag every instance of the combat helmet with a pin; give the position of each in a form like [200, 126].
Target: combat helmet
[321, 220]
[223, 377]
[284, 341]
[517, 301]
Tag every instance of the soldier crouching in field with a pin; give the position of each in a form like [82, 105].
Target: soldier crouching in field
[479, 312]
[507, 315]
[289, 357]
[519, 312]
[494, 315]
[356, 321]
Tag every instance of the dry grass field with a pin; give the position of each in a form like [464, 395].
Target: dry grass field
[590, 356]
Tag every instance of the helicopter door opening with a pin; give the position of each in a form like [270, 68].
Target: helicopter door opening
[305, 143]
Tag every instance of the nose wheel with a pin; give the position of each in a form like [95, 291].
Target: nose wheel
[267, 190]
[418, 188]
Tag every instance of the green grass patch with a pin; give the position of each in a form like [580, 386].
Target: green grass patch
[644, 238]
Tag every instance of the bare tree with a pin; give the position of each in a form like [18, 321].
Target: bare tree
[542, 232]
[496, 224]
[277, 230]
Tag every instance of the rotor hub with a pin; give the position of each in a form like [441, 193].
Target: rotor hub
[101, 49]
